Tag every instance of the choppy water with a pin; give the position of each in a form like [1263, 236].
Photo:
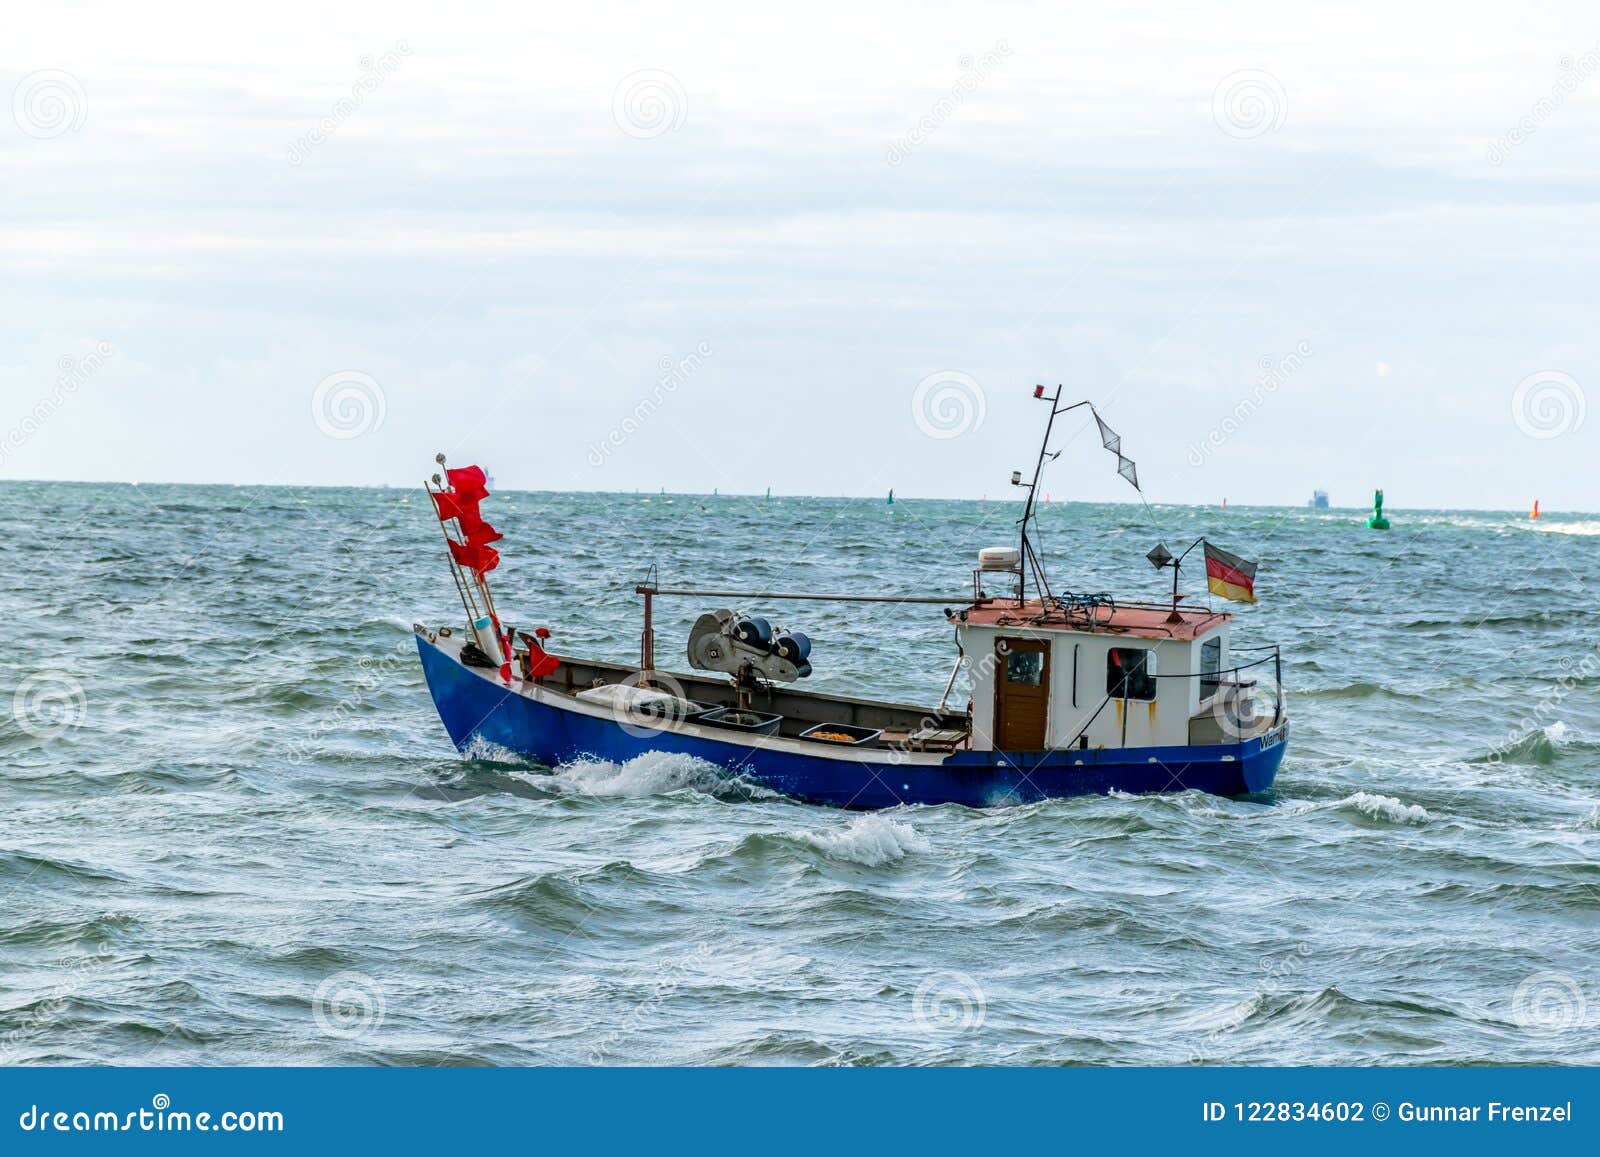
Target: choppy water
[250, 841]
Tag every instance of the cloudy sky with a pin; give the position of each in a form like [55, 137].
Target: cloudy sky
[828, 249]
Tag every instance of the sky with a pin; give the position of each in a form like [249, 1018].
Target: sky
[828, 249]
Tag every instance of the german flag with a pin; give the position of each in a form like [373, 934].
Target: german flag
[1230, 576]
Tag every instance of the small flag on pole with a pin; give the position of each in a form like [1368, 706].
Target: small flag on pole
[1229, 576]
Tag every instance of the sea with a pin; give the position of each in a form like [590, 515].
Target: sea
[233, 831]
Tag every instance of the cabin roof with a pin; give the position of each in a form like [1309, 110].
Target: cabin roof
[1139, 620]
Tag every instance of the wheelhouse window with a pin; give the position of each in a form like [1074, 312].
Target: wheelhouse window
[1210, 667]
[1025, 668]
[1130, 673]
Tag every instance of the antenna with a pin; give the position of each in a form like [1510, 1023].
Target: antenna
[1030, 557]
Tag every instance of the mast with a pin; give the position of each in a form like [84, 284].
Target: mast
[1029, 556]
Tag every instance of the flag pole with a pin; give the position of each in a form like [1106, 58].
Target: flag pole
[1177, 565]
[481, 579]
[455, 568]
[475, 613]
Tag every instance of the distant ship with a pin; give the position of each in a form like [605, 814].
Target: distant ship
[1319, 500]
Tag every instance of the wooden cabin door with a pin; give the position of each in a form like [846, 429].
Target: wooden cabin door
[1021, 694]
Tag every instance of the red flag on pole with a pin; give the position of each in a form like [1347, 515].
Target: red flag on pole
[470, 483]
[477, 557]
[452, 505]
[464, 509]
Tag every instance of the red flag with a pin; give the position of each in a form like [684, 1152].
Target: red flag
[456, 506]
[541, 663]
[470, 483]
[476, 557]
[480, 533]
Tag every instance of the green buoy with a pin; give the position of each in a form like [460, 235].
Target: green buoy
[1377, 521]
[891, 499]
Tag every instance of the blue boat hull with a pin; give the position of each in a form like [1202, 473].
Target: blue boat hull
[474, 707]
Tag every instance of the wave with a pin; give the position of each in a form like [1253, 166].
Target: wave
[1385, 808]
[1539, 748]
[566, 902]
[1354, 691]
[27, 867]
[652, 774]
[482, 751]
[870, 840]
[1328, 1007]
[1565, 617]
[1581, 529]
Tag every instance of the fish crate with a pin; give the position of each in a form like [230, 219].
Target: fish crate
[748, 722]
[842, 735]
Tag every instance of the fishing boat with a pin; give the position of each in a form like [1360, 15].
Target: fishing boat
[1071, 693]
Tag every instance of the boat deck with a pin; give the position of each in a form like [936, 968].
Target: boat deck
[904, 725]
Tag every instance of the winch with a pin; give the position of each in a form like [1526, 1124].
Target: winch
[741, 645]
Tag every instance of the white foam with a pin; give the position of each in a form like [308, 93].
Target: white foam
[1582, 529]
[871, 840]
[1384, 807]
[480, 750]
[653, 773]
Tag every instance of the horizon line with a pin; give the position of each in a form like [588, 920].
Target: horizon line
[763, 495]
